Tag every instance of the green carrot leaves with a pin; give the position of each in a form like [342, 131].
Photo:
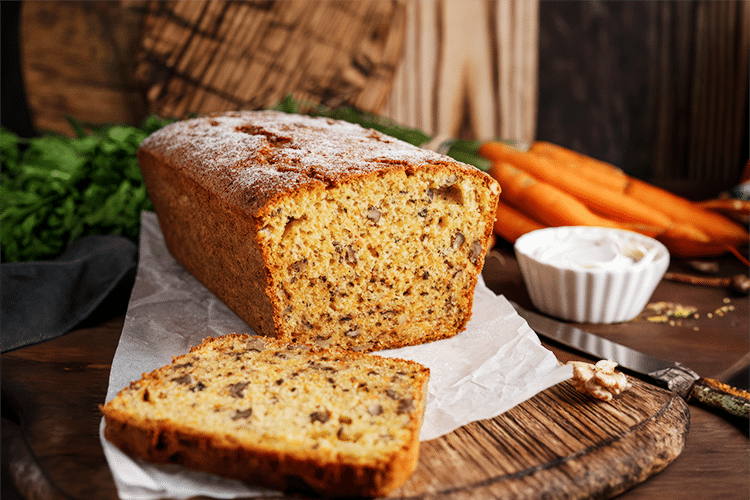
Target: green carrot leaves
[56, 189]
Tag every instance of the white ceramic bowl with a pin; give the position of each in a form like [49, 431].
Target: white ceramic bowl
[590, 274]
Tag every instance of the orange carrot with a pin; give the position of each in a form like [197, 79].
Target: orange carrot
[551, 206]
[646, 230]
[685, 229]
[610, 204]
[679, 246]
[726, 227]
[721, 229]
[511, 224]
[732, 208]
[596, 171]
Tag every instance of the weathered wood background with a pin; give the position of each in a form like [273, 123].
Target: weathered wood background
[658, 88]
[469, 69]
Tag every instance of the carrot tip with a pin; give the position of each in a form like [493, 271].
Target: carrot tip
[740, 257]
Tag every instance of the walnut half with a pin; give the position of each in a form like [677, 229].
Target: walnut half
[600, 380]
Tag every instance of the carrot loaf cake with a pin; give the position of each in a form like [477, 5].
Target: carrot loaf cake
[321, 231]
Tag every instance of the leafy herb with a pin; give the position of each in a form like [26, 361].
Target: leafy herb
[56, 189]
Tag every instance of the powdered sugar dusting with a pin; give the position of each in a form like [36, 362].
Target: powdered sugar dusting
[250, 157]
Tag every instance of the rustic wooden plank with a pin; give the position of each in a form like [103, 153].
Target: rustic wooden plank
[77, 60]
[719, 91]
[197, 57]
[469, 69]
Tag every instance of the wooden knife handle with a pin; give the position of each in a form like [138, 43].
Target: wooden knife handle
[725, 397]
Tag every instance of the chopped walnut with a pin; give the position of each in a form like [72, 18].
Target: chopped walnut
[458, 240]
[374, 410]
[321, 416]
[373, 214]
[600, 380]
[236, 390]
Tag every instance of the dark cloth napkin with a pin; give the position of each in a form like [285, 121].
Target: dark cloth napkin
[42, 300]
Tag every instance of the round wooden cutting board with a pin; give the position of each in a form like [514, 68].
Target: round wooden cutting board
[560, 444]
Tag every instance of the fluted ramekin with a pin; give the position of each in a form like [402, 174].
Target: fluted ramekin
[568, 273]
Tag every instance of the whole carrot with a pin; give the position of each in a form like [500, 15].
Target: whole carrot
[511, 224]
[550, 205]
[596, 171]
[553, 207]
[680, 246]
[721, 229]
[610, 204]
[684, 229]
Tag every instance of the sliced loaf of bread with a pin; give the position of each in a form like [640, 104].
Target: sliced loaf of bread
[279, 415]
[321, 231]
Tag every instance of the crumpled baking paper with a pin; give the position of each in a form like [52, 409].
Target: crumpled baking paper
[495, 364]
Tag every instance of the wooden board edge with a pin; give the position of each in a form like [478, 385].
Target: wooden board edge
[598, 472]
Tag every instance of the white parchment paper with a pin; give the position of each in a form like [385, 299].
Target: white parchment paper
[495, 364]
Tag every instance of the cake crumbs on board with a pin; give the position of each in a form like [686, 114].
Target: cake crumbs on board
[664, 312]
[674, 313]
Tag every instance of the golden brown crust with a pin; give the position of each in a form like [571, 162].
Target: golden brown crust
[217, 245]
[253, 158]
[267, 468]
[157, 418]
[315, 230]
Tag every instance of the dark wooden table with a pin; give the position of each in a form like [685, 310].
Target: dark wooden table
[50, 393]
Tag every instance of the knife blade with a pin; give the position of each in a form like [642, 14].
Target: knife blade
[667, 374]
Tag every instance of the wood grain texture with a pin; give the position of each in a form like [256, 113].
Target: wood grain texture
[197, 57]
[660, 89]
[54, 440]
[77, 60]
[701, 90]
[448, 67]
[469, 69]
[560, 444]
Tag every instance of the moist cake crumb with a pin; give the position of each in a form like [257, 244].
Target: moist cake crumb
[321, 231]
[263, 411]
